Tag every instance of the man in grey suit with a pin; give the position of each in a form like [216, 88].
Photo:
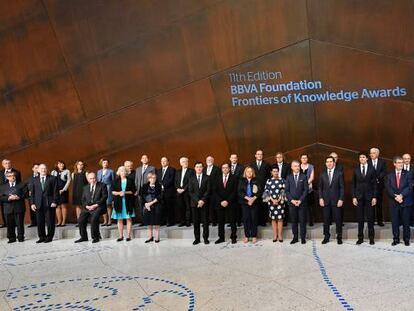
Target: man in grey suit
[141, 178]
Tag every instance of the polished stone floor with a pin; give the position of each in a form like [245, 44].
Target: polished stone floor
[174, 275]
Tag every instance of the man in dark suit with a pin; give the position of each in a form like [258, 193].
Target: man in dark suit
[212, 171]
[409, 168]
[284, 171]
[182, 203]
[331, 198]
[12, 195]
[399, 186]
[29, 184]
[225, 193]
[262, 171]
[166, 177]
[380, 168]
[364, 193]
[237, 170]
[296, 191]
[199, 191]
[7, 167]
[43, 199]
[94, 198]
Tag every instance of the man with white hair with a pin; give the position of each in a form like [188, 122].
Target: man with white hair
[183, 208]
[43, 200]
[7, 168]
[381, 170]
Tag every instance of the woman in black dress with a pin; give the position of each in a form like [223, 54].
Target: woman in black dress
[151, 197]
[63, 178]
[79, 181]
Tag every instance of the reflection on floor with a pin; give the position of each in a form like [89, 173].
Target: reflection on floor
[174, 275]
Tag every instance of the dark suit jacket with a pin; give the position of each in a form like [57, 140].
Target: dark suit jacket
[199, 193]
[298, 192]
[3, 179]
[242, 190]
[48, 196]
[364, 187]
[168, 182]
[144, 192]
[100, 196]
[381, 171]
[229, 193]
[285, 170]
[331, 193]
[15, 206]
[405, 189]
[129, 198]
[188, 173]
[263, 174]
[238, 171]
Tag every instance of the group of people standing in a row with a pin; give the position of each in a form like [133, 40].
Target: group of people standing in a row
[207, 194]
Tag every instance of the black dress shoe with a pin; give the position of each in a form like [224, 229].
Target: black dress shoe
[188, 225]
[206, 242]
[239, 224]
[339, 241]
[181, 225]
[149, 240]
[294, 240]
[170, 225]
[233, 241]
[407, 243]
[128, 239]
[395, 242]
[214, 224]
[157, 241]
[303, 241]
[31, 226]
[325, 241]
[141, 225]
[57, 226]
[3, 226]
[48, 240]
[196, 242]
[311, 224]
[371, 242]
[360, 241]
[219, 241]
[95, 240]
[381, 224]
[40, 241]
[119, 239]
[81, 240]
[21, 240]
[11, 241]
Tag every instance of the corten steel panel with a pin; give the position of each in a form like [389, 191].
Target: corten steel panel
[16, 12]
[284, 126]
[12, 134]
[29, 53]
[44, 109]
[89, 28]
[377, 25]
[165, 59]
[166, 113]
[364, 122]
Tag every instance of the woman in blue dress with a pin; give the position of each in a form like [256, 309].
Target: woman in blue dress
[151, 198]
[106, 176]
[274, 194]
[123, 190]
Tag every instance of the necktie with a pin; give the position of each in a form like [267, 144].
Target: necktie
[199, 181]
[144, 167]
[92, 191]
[296, 180]
[398, 179]
[42, 183]
[259, 163]
[363, 170]
[233, 167]
[375, 164]
[225, 181]
[163, 173]
[330, 176]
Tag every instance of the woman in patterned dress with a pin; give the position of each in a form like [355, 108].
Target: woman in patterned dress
[275, 196]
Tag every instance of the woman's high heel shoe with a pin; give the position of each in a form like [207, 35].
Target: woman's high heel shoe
[149, 240]
[120, 239]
